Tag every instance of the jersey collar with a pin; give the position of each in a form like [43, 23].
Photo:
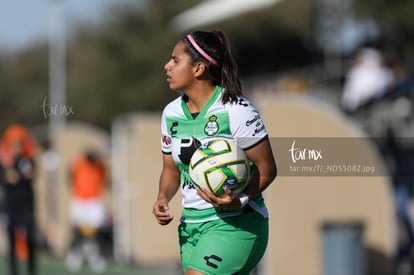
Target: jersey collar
[210, 102]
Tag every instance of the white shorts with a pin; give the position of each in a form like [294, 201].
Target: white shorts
[87, 212]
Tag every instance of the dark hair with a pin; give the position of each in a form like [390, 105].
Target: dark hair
[217, 46]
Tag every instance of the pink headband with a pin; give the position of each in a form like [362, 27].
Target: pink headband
[200, 51]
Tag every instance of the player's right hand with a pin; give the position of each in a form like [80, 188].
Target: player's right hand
[161, 213]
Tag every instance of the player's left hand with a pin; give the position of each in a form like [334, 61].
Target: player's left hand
[228, 201]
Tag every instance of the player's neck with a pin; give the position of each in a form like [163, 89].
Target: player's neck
[198, 97]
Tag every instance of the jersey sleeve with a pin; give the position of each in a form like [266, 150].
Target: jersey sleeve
[247, 125]
[166, 139]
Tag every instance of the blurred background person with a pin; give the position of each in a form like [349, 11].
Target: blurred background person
[379, 98]
[17, 171]
[87, 212]
[367, 79]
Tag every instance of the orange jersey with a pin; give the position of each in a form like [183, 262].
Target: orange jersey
[88, 179]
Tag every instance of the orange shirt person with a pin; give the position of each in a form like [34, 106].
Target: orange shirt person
[88, 178]
[87, 212]
[87, 207]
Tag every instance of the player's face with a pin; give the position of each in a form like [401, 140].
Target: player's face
[179, 69]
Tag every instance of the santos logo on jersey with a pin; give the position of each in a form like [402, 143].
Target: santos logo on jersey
[212, 126]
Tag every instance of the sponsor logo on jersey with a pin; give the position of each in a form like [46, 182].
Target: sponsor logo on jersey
[172, 128]
[253, 120]
[213, 260]
[212, 126]
[187, 148]
[242, 102]
[166, 140]
[256, 122]
[259, 129]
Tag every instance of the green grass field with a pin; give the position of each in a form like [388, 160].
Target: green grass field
[48, 265]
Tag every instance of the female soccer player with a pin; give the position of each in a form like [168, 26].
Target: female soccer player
[217, 235]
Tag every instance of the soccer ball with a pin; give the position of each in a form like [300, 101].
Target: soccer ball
[217, 164]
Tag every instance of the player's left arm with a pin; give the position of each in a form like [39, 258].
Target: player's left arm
[252, 136]
[266, 170]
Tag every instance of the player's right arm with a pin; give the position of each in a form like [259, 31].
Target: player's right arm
[168, 187]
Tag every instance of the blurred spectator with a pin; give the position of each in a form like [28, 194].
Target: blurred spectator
[17, 149]
[381, 100]
[366, 80]
[87, 212]
[400, 150]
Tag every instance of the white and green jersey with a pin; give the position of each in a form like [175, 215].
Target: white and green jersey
[182, 134]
